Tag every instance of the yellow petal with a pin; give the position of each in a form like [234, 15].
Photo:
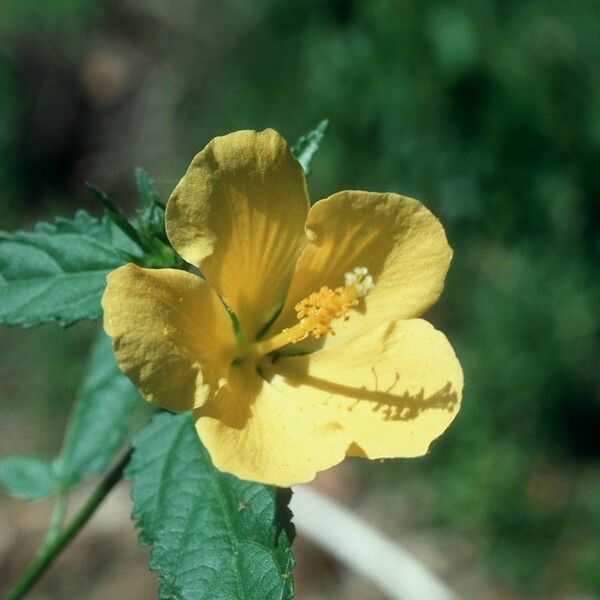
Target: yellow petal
[238, 215]
[401, 243]
[171, 334]
[392, 390]
[257, 433]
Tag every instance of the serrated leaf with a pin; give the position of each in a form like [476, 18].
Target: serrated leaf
[306, 147]
[101, 417]
[212, 535]
[102, 230]
[57, 271]
[28, 477]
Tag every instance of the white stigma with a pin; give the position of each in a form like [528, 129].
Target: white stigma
[361, 280]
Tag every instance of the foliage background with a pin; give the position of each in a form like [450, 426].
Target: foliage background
[488, 111]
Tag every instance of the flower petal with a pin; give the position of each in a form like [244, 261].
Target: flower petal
[171, 334]
[392, 390]
[255, 432]
[238, 215]
[401, 243]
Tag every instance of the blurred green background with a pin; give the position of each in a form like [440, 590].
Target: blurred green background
[487, 111]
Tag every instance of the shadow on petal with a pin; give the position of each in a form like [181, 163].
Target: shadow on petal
[391, 405]
[233, 404]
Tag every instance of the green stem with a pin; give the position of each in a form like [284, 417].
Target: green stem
[54, 546]
[56, 521]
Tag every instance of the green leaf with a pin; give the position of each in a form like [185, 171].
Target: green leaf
[306, 147]
[28, 477]
[101, 418]
[102, 230]
[100, 422]
[57, 272]
[212, 535]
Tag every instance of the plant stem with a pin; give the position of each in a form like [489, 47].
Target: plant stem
[54, 546]
[56, 521]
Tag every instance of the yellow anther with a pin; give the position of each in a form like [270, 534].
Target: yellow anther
[322, 307]
[317, 312]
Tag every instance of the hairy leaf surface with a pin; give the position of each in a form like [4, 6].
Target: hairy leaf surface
[212, 535]
[57, 271]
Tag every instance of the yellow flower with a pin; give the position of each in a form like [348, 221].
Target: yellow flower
[283, 397]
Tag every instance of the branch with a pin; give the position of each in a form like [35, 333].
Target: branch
[58, 542]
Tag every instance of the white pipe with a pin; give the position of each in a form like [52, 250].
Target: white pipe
[363, 549]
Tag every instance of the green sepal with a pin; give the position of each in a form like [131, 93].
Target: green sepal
[113, 212]
[150, 222]
[146, 189]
